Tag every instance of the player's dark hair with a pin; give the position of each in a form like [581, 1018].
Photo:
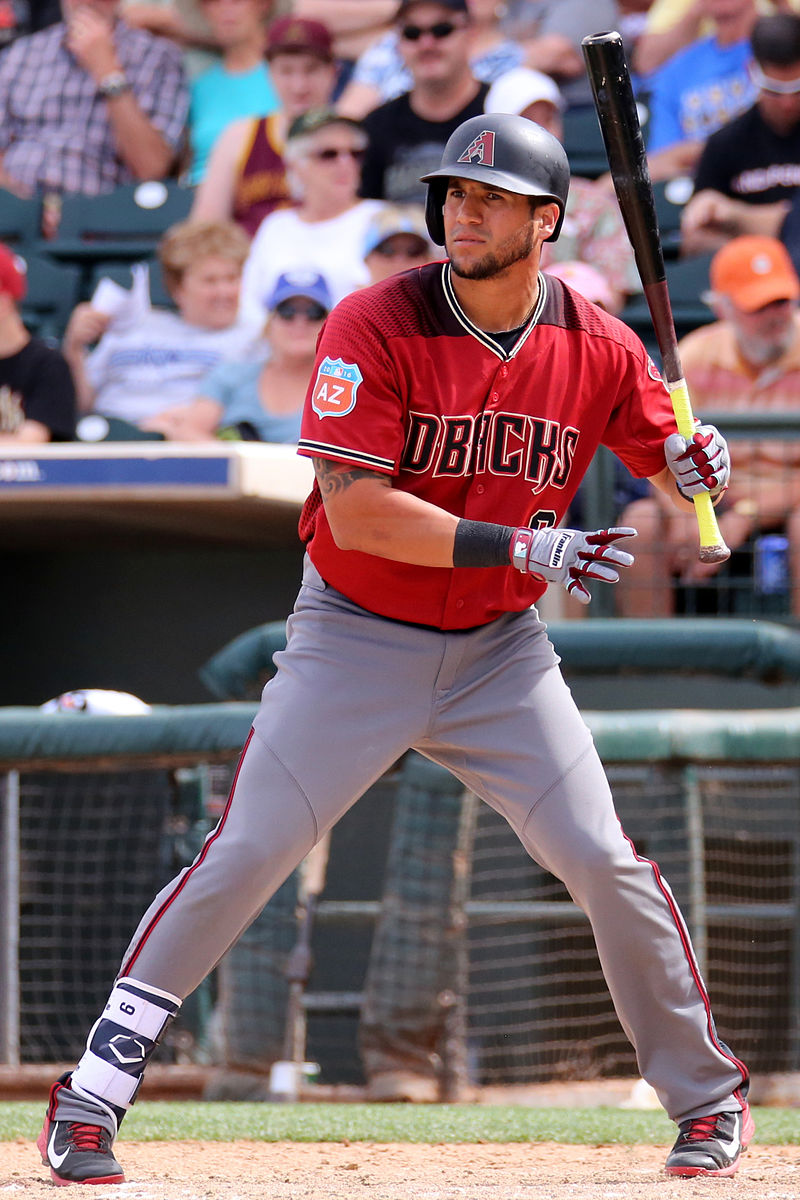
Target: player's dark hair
[776, 40]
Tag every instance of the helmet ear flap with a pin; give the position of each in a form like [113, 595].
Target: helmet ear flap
[434, 204]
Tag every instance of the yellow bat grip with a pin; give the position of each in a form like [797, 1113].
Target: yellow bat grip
[712, 545]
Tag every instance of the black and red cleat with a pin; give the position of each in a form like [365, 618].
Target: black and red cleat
[76, 1151]
[711, 1145]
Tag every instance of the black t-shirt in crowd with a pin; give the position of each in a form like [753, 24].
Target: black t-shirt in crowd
[35, 383]
[747, 160]
[403, 146]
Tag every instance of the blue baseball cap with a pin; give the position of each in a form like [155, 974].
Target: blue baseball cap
[309, 284]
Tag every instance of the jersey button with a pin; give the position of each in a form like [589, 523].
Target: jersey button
[480, 489]
[459, 603]
[495, 395]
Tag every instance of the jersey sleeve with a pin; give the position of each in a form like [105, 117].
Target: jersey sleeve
[354, 410]
[642, 419]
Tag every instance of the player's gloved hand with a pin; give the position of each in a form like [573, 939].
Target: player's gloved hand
[570, 556]
[700, 465]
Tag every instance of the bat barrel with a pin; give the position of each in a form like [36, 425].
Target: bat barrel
[607, 69]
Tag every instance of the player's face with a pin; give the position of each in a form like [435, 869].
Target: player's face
[302, 81]
[487, 230]
[208, 293]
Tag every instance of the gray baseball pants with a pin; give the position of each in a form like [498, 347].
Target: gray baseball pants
[352, 693]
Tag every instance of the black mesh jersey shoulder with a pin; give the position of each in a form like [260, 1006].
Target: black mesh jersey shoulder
[568, 309]
[410, 304]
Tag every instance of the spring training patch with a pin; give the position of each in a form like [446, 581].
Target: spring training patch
[335, 388]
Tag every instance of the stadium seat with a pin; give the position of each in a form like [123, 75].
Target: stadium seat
[20, 220]
[670, 197]
[687, 281]
[124, 225]
[583, 142]
[52, 293]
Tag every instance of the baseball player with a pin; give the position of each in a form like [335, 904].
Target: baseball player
[452, 412]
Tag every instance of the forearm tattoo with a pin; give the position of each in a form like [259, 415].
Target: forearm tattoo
[335, 477]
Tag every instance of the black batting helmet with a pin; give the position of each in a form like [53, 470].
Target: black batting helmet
[507, 151]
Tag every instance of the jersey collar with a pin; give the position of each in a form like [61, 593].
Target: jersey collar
[486, 339]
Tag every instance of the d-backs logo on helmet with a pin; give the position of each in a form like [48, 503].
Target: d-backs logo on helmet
[480, 149]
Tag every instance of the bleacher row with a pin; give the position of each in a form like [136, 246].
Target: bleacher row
[104, 235]
[97, 235]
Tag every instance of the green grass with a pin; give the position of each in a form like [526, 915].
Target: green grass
[157, 1121]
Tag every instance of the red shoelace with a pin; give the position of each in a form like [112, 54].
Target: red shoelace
[86, 1137]
[702, 1128]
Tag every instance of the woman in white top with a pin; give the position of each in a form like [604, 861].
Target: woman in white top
[325, 232]
[138, 369]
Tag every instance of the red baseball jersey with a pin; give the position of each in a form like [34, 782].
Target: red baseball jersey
[405, 384]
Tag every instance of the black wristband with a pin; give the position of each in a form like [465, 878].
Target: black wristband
[481, 544]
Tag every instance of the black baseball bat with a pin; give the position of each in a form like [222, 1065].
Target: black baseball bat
[614, 100]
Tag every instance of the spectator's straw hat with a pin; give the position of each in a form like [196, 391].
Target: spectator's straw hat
[13, 279]
[393, 219]
[298, 35]
[753, 272]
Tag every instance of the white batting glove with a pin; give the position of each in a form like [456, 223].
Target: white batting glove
[569, 556]
[700, 465]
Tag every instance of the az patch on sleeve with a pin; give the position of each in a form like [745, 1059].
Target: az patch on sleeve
[335, 388]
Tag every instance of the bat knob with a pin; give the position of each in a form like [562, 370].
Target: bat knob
[714, 554]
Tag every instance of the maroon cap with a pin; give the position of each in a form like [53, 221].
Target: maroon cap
[12, 273]
[454, 5]
[296, 35]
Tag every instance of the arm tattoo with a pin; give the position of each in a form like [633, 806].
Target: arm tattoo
[335, 477]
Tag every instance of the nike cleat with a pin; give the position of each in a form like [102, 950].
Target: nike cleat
[76, 1151]
[711, 1145]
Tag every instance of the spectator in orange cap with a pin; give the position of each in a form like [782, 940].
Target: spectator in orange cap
[746, 361]
[37, 395]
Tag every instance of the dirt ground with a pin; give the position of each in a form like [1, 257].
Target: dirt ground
[332, 1171]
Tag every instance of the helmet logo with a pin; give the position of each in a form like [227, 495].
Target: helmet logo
[480, 150]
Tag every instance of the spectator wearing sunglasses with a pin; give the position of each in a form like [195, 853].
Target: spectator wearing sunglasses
[408, 134]
[324, 232]
[246, 176]
[749, 169]
[260, 398]
[381, 72]
[397, 240]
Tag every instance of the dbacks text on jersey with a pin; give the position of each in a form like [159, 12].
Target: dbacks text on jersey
[500, 443]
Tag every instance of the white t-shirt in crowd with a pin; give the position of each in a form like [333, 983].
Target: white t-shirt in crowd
[284, 242]
[159, 363]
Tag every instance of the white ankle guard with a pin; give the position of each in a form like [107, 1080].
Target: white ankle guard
[122, 1042]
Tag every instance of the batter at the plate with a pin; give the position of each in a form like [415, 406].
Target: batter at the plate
[452, 413]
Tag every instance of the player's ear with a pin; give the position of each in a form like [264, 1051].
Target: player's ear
[546, 217]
